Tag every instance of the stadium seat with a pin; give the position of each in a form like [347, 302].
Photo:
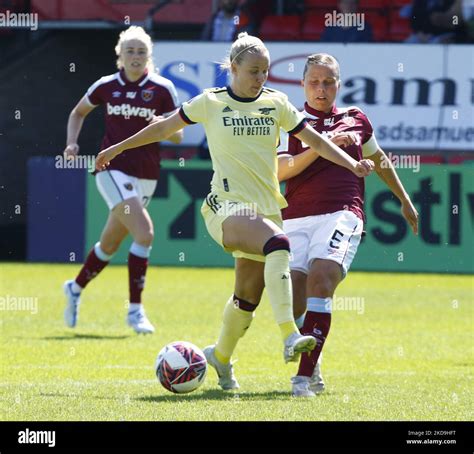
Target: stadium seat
[379, 5]
[400, 27]
[399, 3]
[313, 27]
[184, 11]
[321, 4]
[379, 25]
[280, 28]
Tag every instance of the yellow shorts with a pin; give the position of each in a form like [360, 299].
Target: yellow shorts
[215, 211]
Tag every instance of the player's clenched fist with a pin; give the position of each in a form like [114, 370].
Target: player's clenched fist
[364, 167]
[103, 159]
[71, 150]
[344, 139]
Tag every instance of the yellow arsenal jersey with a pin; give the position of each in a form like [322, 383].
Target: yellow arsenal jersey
[242, 135]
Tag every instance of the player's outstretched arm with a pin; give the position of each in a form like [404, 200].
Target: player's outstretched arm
[388, 174]
[155, 132]
[289, 166]
[325, 148]
[177, 137]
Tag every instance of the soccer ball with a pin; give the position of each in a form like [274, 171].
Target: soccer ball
[181, 367]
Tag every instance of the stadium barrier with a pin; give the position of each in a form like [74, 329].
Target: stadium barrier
[62, 226]
[56, 209]
[414, 103]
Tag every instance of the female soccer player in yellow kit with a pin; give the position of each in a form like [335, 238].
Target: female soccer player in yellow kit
[242, 211]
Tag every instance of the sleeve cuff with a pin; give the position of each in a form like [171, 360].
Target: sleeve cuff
[185, 118]
[89, 101]
[301, 125]
[370, 147]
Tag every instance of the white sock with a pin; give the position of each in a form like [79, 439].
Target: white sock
[100, 253]
[140, 251]
[135, 307]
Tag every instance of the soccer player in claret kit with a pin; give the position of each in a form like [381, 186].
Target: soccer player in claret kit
[243, 210]
[133, 97]
[325, 215]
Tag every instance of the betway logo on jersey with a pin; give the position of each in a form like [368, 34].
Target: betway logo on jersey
[127, 111]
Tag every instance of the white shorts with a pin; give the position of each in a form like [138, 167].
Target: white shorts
[116, 186]
[333, 236]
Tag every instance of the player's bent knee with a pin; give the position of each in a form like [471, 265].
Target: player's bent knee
[278, 242]
[250, 297]
[246, 304]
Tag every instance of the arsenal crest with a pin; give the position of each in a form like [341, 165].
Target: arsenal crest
[147, 95]
[266, 110]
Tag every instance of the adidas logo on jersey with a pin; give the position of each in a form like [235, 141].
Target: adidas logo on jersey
[126, 110]
[227, 109]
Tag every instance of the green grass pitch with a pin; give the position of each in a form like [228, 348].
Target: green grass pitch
[405, 353]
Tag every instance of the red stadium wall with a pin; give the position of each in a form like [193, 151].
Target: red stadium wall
[185, 11]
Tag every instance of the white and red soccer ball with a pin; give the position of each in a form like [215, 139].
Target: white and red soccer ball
[181, 367]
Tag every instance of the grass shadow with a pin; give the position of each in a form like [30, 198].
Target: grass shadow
[216, 394]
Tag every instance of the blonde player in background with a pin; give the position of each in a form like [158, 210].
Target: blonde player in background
[133, 97]
[242, 211]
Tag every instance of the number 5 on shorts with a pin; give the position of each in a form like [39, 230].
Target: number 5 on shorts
[336, 239]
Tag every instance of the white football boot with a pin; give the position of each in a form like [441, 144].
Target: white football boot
[139, 321]
[317, 383]
[301, 386]
[295, 344]
[72, 304]
[225, 372]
